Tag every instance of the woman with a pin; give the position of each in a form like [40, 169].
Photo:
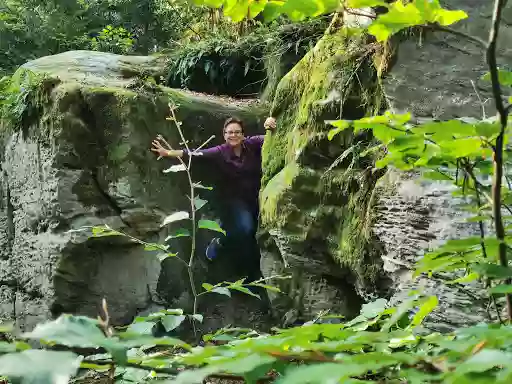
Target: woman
[239, 162]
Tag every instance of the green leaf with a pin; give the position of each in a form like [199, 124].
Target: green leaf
[165, 255]
[435, 175]
[483, 361]
[234, 365]
[340, 126]
[176, 216]
[172, 322]
[207, 286]
[104, 231]
[425, 309]
[244, 290]
[9, 347]
[469, 278]
[197, 317]
[211, 225]
[398, 17]
[504, 77]
[6, 327]
[374, 309]
[199, 203]
[182, 232]
[488, 130]
[131, 340]
[71, 331]
[201, 186]
[322, 373]
[265, 286]
[272, 11]
[501, 289]
[418, 12]
[494, 271]
[41, 367]
[141, 328]
[176, 168]
[221, 291]
[366, 3]
[154, 247]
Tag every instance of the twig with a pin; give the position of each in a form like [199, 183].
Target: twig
[355, 13]
[474, 39]
[498, 153]
[482, 104]
[470, 172]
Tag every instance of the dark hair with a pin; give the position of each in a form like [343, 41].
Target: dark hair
[233, 120]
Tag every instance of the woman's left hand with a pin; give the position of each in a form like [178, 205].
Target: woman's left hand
[270, 123]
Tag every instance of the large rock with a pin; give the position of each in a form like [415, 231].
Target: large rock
[80, 157]
[440, 79]
[317, 219]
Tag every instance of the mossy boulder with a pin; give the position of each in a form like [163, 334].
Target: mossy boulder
[317, 198]
[83, 159]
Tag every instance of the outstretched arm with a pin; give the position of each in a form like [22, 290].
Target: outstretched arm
[174, 153]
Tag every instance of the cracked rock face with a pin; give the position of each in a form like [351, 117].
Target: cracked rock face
[84, 160]
[436, 79]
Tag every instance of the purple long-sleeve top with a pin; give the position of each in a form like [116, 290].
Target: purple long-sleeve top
[240, 175]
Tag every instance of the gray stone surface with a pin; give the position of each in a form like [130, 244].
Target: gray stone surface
[415, 217]
[432, 76]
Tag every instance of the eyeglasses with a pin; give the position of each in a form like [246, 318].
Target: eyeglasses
[234, 133]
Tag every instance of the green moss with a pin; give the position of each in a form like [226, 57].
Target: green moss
[337, 79]
[275, 191]
[118, 91]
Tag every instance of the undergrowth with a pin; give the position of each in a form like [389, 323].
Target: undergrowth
[242, 66]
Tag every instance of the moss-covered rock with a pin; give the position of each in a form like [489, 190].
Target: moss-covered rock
[83, 159]
[317, 197]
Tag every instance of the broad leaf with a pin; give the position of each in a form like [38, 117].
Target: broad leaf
[141, 328]
[374, 308]
[201, 186]
[425, 309]
[176, 168]
[182, 232]
[197, 317]
[501, 289]
[504, 77]
[172, 322]
[42, 367]
[199, 203]
[104, 231]
[176, 216]
[244, 290]
[366, 3]
[71, 331]
[221, 291]
[211, 225]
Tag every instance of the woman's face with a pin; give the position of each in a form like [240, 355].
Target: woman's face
[233, 134]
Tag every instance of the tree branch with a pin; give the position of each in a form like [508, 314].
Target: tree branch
[474, 39]
[498, 152]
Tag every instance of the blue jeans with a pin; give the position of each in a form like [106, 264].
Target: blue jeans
[240, 221]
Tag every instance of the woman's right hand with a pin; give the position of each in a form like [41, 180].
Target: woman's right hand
[162, 152]
[159, 149]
